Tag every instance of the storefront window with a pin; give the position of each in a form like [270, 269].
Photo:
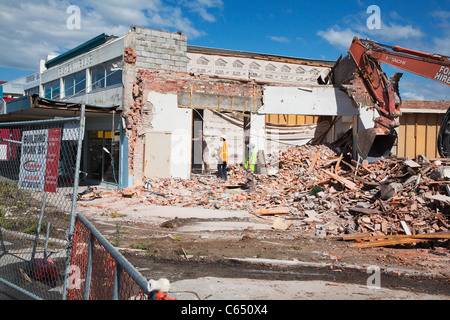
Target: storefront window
[51, 90]
[114, 72]
[55, 89]
[48, 91]
[103, 156]
[107, 74]
[98, 76]
[80, 81]
[69, 86]
[32, 91]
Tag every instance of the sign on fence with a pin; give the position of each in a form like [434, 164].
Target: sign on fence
[51, 170]
[33, 160]
[39, 160]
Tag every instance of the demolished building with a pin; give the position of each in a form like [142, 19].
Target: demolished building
[159, 92]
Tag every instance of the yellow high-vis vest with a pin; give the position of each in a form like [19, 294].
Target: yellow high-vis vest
[223, 154]
[251, 161]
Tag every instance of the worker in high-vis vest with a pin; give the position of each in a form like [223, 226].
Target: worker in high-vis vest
[223, 158]
[250, 162]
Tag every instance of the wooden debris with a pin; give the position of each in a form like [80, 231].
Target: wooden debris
[380, 241]
[313, 163]
[272, 211]
[349, 184]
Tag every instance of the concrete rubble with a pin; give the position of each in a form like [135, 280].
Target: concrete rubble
[314, 189]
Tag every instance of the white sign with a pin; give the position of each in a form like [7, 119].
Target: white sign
[71, 131]
[3, 152]
[33, 160]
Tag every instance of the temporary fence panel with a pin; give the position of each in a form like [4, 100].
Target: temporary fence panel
[98, 271]
[38, 189]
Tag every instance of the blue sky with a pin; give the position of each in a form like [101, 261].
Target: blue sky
[31, 29]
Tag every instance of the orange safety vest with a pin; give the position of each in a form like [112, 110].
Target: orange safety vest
[223, 154]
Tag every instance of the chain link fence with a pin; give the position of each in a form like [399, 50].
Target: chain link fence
[38, 189]
[99, 272]
[46, 251]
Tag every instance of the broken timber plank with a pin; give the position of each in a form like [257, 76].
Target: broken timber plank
[279, 210]
[349, 184]
[388, 242]
[336, 168]
[398, 239]
[313, 163]
[364, 210]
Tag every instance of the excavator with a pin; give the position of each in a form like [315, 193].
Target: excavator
[367, 56]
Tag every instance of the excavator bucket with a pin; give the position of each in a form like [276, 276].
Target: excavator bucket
[371, 144]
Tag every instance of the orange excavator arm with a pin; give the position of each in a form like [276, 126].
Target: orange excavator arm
[368, 56]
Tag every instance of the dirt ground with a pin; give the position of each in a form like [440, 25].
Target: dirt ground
[190, 243]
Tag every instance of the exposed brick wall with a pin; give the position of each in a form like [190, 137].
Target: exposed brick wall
[129, 56]
[426, 104]
[357, 90]
[174, 82]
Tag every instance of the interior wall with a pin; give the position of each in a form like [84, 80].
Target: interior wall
[168, 118]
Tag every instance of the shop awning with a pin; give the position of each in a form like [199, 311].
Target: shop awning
[38, 108]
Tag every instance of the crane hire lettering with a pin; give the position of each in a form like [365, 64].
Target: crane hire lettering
[443, 75]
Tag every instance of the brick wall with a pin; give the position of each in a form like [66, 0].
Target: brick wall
[166, 81]
[430, 105]
[160, 50]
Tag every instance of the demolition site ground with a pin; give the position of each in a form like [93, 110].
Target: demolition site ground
[239, 246]
[312, 216]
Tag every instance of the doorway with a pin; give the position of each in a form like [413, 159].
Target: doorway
[197, 151]
[103, 154]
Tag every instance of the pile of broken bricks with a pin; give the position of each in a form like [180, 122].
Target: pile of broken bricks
[314, 189]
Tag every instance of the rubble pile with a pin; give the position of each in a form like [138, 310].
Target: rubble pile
[318, 190]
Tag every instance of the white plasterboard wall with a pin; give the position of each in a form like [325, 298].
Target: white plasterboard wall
[320, 100]
[167, 117]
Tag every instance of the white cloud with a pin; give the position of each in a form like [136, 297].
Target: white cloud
[414, 87]
[279, 39]
[338, 38]
[394, 32]
[201, 6]
[32, 29]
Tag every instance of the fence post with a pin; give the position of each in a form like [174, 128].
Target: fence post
[74, 198]
[87, 281]
[117, 277]
[38, 231]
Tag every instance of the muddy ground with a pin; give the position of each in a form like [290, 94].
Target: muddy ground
[192, 243]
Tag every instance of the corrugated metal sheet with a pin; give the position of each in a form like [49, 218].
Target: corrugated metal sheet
[417, 135]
